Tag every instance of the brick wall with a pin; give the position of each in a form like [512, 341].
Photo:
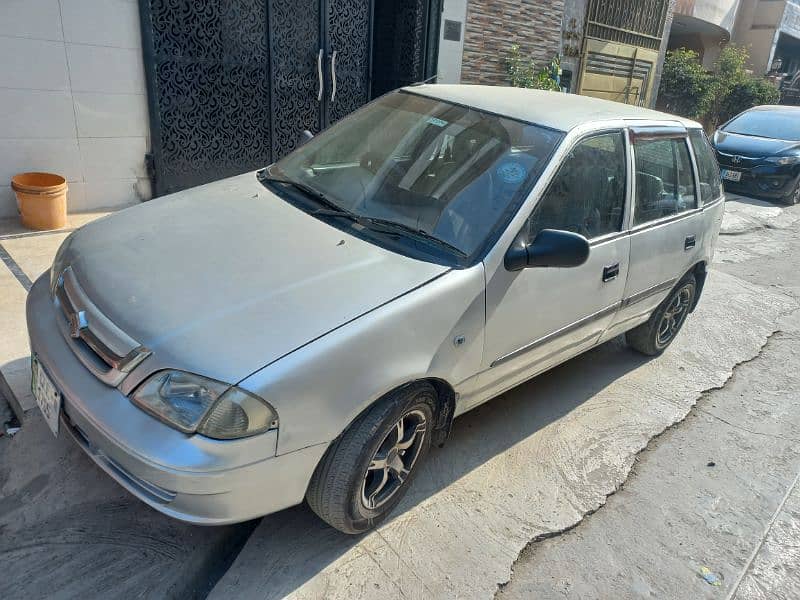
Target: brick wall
[494, 25]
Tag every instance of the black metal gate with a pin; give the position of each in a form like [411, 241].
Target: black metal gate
[232, 83]
[405, 42]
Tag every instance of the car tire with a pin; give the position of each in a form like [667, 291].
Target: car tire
[794, 197]
[654, 336]
[367, 470]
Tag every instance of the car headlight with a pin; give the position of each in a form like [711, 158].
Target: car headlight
[195, 404]
[784, 160]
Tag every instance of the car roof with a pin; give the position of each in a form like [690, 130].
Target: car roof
[551, 109]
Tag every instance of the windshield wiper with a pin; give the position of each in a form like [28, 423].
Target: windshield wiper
[308, 191]
[376, 223]
[390, 226]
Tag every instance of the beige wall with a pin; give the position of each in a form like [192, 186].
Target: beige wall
[718, 12]
[756, 28]
[72, 99]
[451, 51]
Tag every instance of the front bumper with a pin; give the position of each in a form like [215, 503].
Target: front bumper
[188, 477]
[765, 181]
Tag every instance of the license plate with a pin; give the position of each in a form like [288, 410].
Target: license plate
[731, 175]
[46, 394]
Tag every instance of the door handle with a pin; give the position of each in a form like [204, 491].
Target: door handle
[333, 75]
[689, 242]
[611, 272]
[319, 75]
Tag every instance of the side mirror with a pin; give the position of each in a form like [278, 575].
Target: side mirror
[304, 136]
[551, 248]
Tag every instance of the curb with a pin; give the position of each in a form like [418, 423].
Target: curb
[8, 394]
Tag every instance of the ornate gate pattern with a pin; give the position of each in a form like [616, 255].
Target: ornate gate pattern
[349, 36]
[232, 83]
[209, 64]
[295, 44]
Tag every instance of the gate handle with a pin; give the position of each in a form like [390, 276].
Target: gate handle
[333, 75]
[319, 75]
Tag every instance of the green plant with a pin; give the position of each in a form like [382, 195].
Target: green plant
[685, 84]
[744, 94]
[522, 72]
[687, 89]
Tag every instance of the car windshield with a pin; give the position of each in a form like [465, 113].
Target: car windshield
[778, 124]
[422, 169]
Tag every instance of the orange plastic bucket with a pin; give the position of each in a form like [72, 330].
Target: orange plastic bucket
[41, 199]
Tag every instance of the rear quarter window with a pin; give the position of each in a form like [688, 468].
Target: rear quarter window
[707, 167]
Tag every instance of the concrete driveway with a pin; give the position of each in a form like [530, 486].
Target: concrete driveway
[519, 470]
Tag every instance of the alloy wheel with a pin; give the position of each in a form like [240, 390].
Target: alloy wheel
[394, 460]
[674, 316]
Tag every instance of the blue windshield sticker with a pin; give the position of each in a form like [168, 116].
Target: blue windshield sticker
[512, 172]
[437, 122]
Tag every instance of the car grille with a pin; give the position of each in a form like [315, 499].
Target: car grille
[107, 351]
[737, 161]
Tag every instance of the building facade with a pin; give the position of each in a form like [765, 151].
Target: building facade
[704, 26]
[608, 48]
[769, 29]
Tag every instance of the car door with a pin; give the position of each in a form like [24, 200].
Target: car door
[538, 317]
[666, 228]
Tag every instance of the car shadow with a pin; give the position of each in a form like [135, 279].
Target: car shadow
[294, 545]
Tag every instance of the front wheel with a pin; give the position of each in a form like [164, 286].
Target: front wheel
[653, 337]
[794, 197]
[368, 469]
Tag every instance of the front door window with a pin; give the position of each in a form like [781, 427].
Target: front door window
[587, 195]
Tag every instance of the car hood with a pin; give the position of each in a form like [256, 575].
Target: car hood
[225, 278]
[751, 146]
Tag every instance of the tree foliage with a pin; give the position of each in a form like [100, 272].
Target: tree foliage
[685, 85]
[522, 72]
[714, 97]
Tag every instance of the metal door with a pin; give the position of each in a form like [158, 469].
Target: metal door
[208, 77]
[320, 65]
[539, 317]
[232, 84]
[348, 33]
[296, 46]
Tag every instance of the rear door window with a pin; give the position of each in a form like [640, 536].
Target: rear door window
[664, 179]
[707, 167]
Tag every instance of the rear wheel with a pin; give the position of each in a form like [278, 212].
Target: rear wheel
[368, 469]
[653, 337]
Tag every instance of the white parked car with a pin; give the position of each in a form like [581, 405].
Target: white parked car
[307, 331]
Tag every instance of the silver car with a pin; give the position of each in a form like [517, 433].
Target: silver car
[309, 330]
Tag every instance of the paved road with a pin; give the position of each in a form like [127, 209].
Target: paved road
[720, 490]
